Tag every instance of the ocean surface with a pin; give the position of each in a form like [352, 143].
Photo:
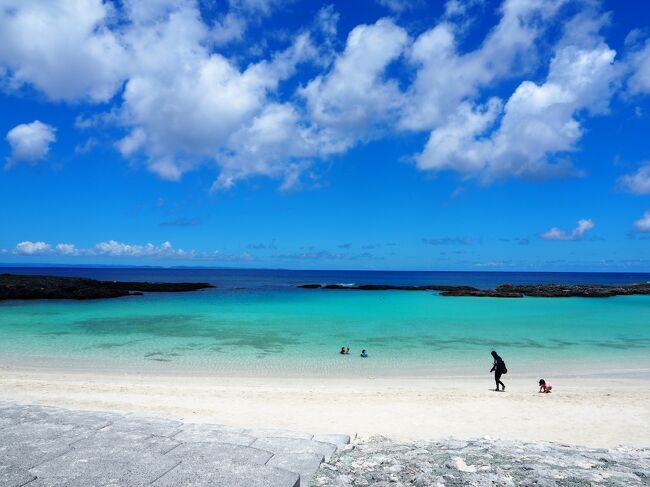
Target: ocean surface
[256, 322]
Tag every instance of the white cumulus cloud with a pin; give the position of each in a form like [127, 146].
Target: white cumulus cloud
[577, 233]
[355, 95]
[32, 248]
[637, 182]
[160, 73]
[114, 248]
[536, 124]
[639, 81]
[29, 142]
[63, 47]
[66, 249]
[446, 77]
[643, 223]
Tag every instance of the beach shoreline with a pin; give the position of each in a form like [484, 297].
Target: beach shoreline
[591, 411]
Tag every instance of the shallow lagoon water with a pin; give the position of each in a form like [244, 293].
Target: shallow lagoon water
[255, 326]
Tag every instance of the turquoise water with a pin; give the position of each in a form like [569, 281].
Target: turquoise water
[278, 330]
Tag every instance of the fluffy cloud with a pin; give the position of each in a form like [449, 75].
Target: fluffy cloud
[29, 142]
[64, 48]
[637, 182]
[535, 125]
[355, 97]
[445, 77]
[398, 6]
[181, 118]
[643, 223]
[113, 248]
[33, 248]
[182, 102]
[577, 233]
[66, 249]
[264, 7]
[228, 29]
[639, 81]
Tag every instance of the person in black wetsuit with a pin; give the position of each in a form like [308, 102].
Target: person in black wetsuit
[499, 368]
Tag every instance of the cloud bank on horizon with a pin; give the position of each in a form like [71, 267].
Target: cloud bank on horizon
[177, 86]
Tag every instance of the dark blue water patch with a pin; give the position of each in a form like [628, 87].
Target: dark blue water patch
[159, 357]
[190, 326]
[178, 326]
[457, 343]
[54, 334]
[266, 279]
[111, 345]
[621, 343]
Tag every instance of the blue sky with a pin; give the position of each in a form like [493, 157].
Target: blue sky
[374, 134]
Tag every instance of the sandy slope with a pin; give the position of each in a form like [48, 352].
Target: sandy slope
[592, 412]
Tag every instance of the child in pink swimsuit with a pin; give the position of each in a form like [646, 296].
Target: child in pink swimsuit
[545, 386]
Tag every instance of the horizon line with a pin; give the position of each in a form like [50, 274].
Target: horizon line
[44, 265]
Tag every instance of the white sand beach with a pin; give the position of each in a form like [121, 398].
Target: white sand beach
[584, 411]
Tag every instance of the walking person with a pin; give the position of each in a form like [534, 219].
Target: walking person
[499, 368]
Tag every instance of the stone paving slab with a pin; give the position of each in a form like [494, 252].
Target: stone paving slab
[139, 442]
[339, 440]
[190, 452]
[295, 445]
[55, 447]
[152, 426]
[227, 474]
[206, 433]
[99, 466]
[11, 476]
[25, 413]
[29, 452]
[304, 464]
[277, 433]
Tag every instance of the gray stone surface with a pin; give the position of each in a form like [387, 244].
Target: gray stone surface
[206, 433]
[381, 462]
[47, 446]
[277, 433]
[227, 474]
[11, 476]
[339, 440]
[304, 464]
[117, 465]
[225, 452]
[295, 445]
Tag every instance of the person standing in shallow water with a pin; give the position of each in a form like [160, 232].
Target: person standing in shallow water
[499, 368]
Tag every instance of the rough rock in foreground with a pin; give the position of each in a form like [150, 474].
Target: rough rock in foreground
[380, 462]
[14, 286]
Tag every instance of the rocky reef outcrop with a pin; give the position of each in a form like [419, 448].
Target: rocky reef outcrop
[13, 286]
[504, 290]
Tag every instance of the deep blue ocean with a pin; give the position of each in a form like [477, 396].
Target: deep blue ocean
[278, 278]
